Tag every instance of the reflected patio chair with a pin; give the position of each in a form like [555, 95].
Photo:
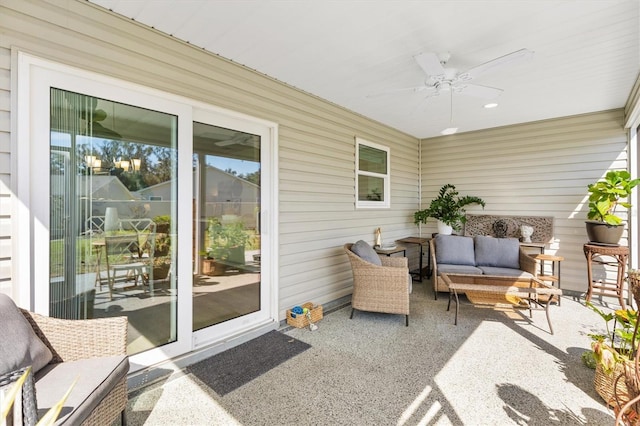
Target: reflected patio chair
[124, 261]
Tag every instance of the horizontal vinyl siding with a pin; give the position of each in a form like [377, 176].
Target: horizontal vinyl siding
[316, 138]
[534, 169]
[5, 171]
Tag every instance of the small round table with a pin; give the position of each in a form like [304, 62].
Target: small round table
[618, 256]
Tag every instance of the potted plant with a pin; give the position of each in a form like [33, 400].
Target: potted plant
[226, 241]
[448, 208]
[612, 350]
[605, 196]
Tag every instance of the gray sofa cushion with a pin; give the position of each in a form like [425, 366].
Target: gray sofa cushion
[458, 269]
[508, 272]
[366, 252]
[96, 378]
[19, 344]
[498, 252]
[455, 250]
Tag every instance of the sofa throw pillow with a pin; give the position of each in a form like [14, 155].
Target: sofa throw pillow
[498, 252]
[455, 250]
[19, 344]
[366, 252]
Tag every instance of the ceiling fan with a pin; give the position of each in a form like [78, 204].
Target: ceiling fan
[240, 139]
[441, 79]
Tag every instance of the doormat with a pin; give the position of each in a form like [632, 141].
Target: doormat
[237, 366]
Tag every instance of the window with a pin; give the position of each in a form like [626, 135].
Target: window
[373, 178]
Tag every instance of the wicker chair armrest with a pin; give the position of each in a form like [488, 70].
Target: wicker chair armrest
[394, 262]
[527, 263]
[72, 340]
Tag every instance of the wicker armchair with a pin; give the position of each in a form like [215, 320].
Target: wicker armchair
[74, 340]
[383, 288]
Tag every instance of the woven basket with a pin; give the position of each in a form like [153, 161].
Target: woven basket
[604, 385]
[300, 320]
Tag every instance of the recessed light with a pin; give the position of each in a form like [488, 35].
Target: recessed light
[449, 131]
[491, 105]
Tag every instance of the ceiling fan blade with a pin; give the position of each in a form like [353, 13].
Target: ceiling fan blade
[430, 63]
[510, 59]
[416, 89]
[227, 142]
[484, 92]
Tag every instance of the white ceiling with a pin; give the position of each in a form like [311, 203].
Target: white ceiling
[587, 53]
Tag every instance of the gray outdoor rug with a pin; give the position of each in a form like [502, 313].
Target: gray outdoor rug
[233, 368]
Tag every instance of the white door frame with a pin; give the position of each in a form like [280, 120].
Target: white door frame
[30, 207]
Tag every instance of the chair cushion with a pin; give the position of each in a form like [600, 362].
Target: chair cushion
[96, 378]
[498, 252]
[458, 269]
[506, 272]
[19, 344]
[455, 250]
[366, 252]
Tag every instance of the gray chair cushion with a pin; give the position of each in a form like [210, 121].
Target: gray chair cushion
[507, 272]
[366, 252]
[498, 252]
[19, 344]
[455, 250]
[96, 378]
[458, 269]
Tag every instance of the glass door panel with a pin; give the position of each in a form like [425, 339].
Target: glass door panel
[227, 243]
[113, 215]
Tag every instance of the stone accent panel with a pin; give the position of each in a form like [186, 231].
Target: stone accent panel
[509, 226]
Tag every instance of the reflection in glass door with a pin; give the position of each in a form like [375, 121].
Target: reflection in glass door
[113, 215]
[227, 252]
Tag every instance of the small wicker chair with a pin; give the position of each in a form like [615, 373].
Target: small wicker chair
[383, 288]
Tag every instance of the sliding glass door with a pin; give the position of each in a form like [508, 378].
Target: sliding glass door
[226, 283]
[145, 205]
[111, 246]
[228, 287]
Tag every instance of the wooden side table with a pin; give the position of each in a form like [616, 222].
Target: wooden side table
[554, 278]
[422, 242]
[612, 256]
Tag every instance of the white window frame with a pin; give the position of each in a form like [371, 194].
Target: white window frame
[385, 203]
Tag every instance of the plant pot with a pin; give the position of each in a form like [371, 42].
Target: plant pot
[236, 255]
[160, 272]
[213, 268]
[604, 382]
[600, 232]
[444, 229]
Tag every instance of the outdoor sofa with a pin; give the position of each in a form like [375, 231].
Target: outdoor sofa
[479, 255]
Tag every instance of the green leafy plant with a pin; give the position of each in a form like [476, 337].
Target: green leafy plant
[448, 207]
[224, 237]
[608, 193]
[618, 344]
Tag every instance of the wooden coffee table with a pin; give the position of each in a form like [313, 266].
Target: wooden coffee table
[518, 292]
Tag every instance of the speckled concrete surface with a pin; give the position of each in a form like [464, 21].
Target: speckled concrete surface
[493, 368]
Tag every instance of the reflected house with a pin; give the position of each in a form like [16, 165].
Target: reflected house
[226, 194]
[99, 189]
